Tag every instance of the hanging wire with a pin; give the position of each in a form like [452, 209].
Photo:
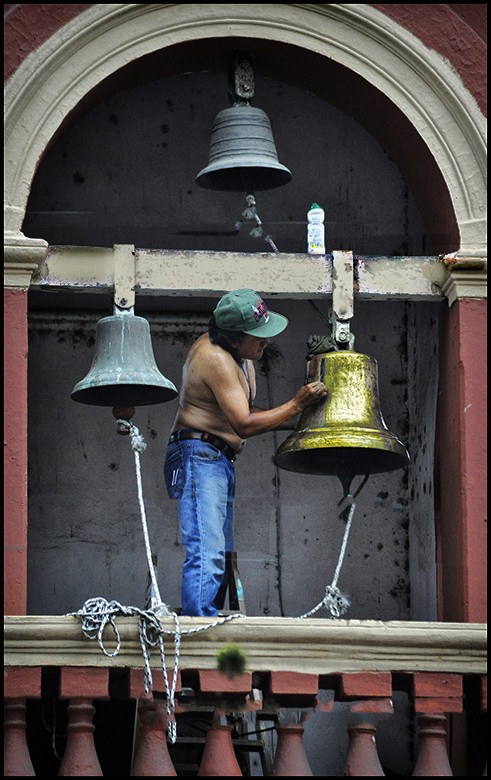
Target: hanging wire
[51, 729]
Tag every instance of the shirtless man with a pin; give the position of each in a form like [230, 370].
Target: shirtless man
[214, 418]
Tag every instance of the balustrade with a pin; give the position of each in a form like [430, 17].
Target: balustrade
[221, 703]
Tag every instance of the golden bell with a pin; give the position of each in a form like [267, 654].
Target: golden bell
[345, 434]
[123, 372]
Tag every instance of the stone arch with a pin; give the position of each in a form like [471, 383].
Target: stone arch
[57, 76]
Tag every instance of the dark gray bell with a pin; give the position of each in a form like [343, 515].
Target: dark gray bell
[123, 372]
[243, 154]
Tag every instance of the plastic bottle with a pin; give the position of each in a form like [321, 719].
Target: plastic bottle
[315, 230]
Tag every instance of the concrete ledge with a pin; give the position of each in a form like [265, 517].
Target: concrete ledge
[314, 646]
[168, 272]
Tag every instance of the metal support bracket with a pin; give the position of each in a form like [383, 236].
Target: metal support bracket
[243, 79]
[342, 298]
[124, 275]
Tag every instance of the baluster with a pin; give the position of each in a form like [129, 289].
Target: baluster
[80, 758]
[290, 758]
[219, 756]
[16, 757]
[153, 759]
[362, 759]
[19, 683]
[432, 755]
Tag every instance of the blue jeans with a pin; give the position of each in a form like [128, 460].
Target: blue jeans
[202, 479]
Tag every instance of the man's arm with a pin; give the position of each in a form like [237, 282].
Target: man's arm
[228, 391]
[286, 426]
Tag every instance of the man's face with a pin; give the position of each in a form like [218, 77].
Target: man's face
[252, 348]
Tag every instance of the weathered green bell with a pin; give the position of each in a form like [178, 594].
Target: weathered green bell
[243, 155]
[345, 434]
[123, 372]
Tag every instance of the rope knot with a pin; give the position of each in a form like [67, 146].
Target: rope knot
[137, 441]
[336, 602]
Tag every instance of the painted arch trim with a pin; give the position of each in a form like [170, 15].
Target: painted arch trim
[54, 78]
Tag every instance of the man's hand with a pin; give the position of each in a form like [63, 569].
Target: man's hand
[309, 394]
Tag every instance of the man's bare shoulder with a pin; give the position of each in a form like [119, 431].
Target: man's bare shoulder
[204, 351]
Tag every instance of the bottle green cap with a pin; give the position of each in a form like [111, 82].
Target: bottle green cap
[314, 206]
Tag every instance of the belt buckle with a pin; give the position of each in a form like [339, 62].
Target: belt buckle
[230, 453]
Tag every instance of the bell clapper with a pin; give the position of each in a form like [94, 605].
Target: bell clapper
[348, 497]
[123, 416]
[346, 478]
[250, 213]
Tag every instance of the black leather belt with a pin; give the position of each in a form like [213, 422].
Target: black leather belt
[220, 444]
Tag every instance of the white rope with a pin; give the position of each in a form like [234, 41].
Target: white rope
[336, 602]
[342, 552]
[138, 445]
[97, 612]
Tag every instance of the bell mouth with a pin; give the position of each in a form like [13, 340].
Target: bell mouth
[243, 178]
[368, 452]
[123, 395]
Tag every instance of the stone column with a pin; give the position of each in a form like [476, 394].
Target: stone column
[462, 445]
[22, 257]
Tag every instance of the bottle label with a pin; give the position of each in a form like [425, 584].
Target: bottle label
[315, 240]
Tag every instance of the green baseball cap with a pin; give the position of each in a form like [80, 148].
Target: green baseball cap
[244, 311]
